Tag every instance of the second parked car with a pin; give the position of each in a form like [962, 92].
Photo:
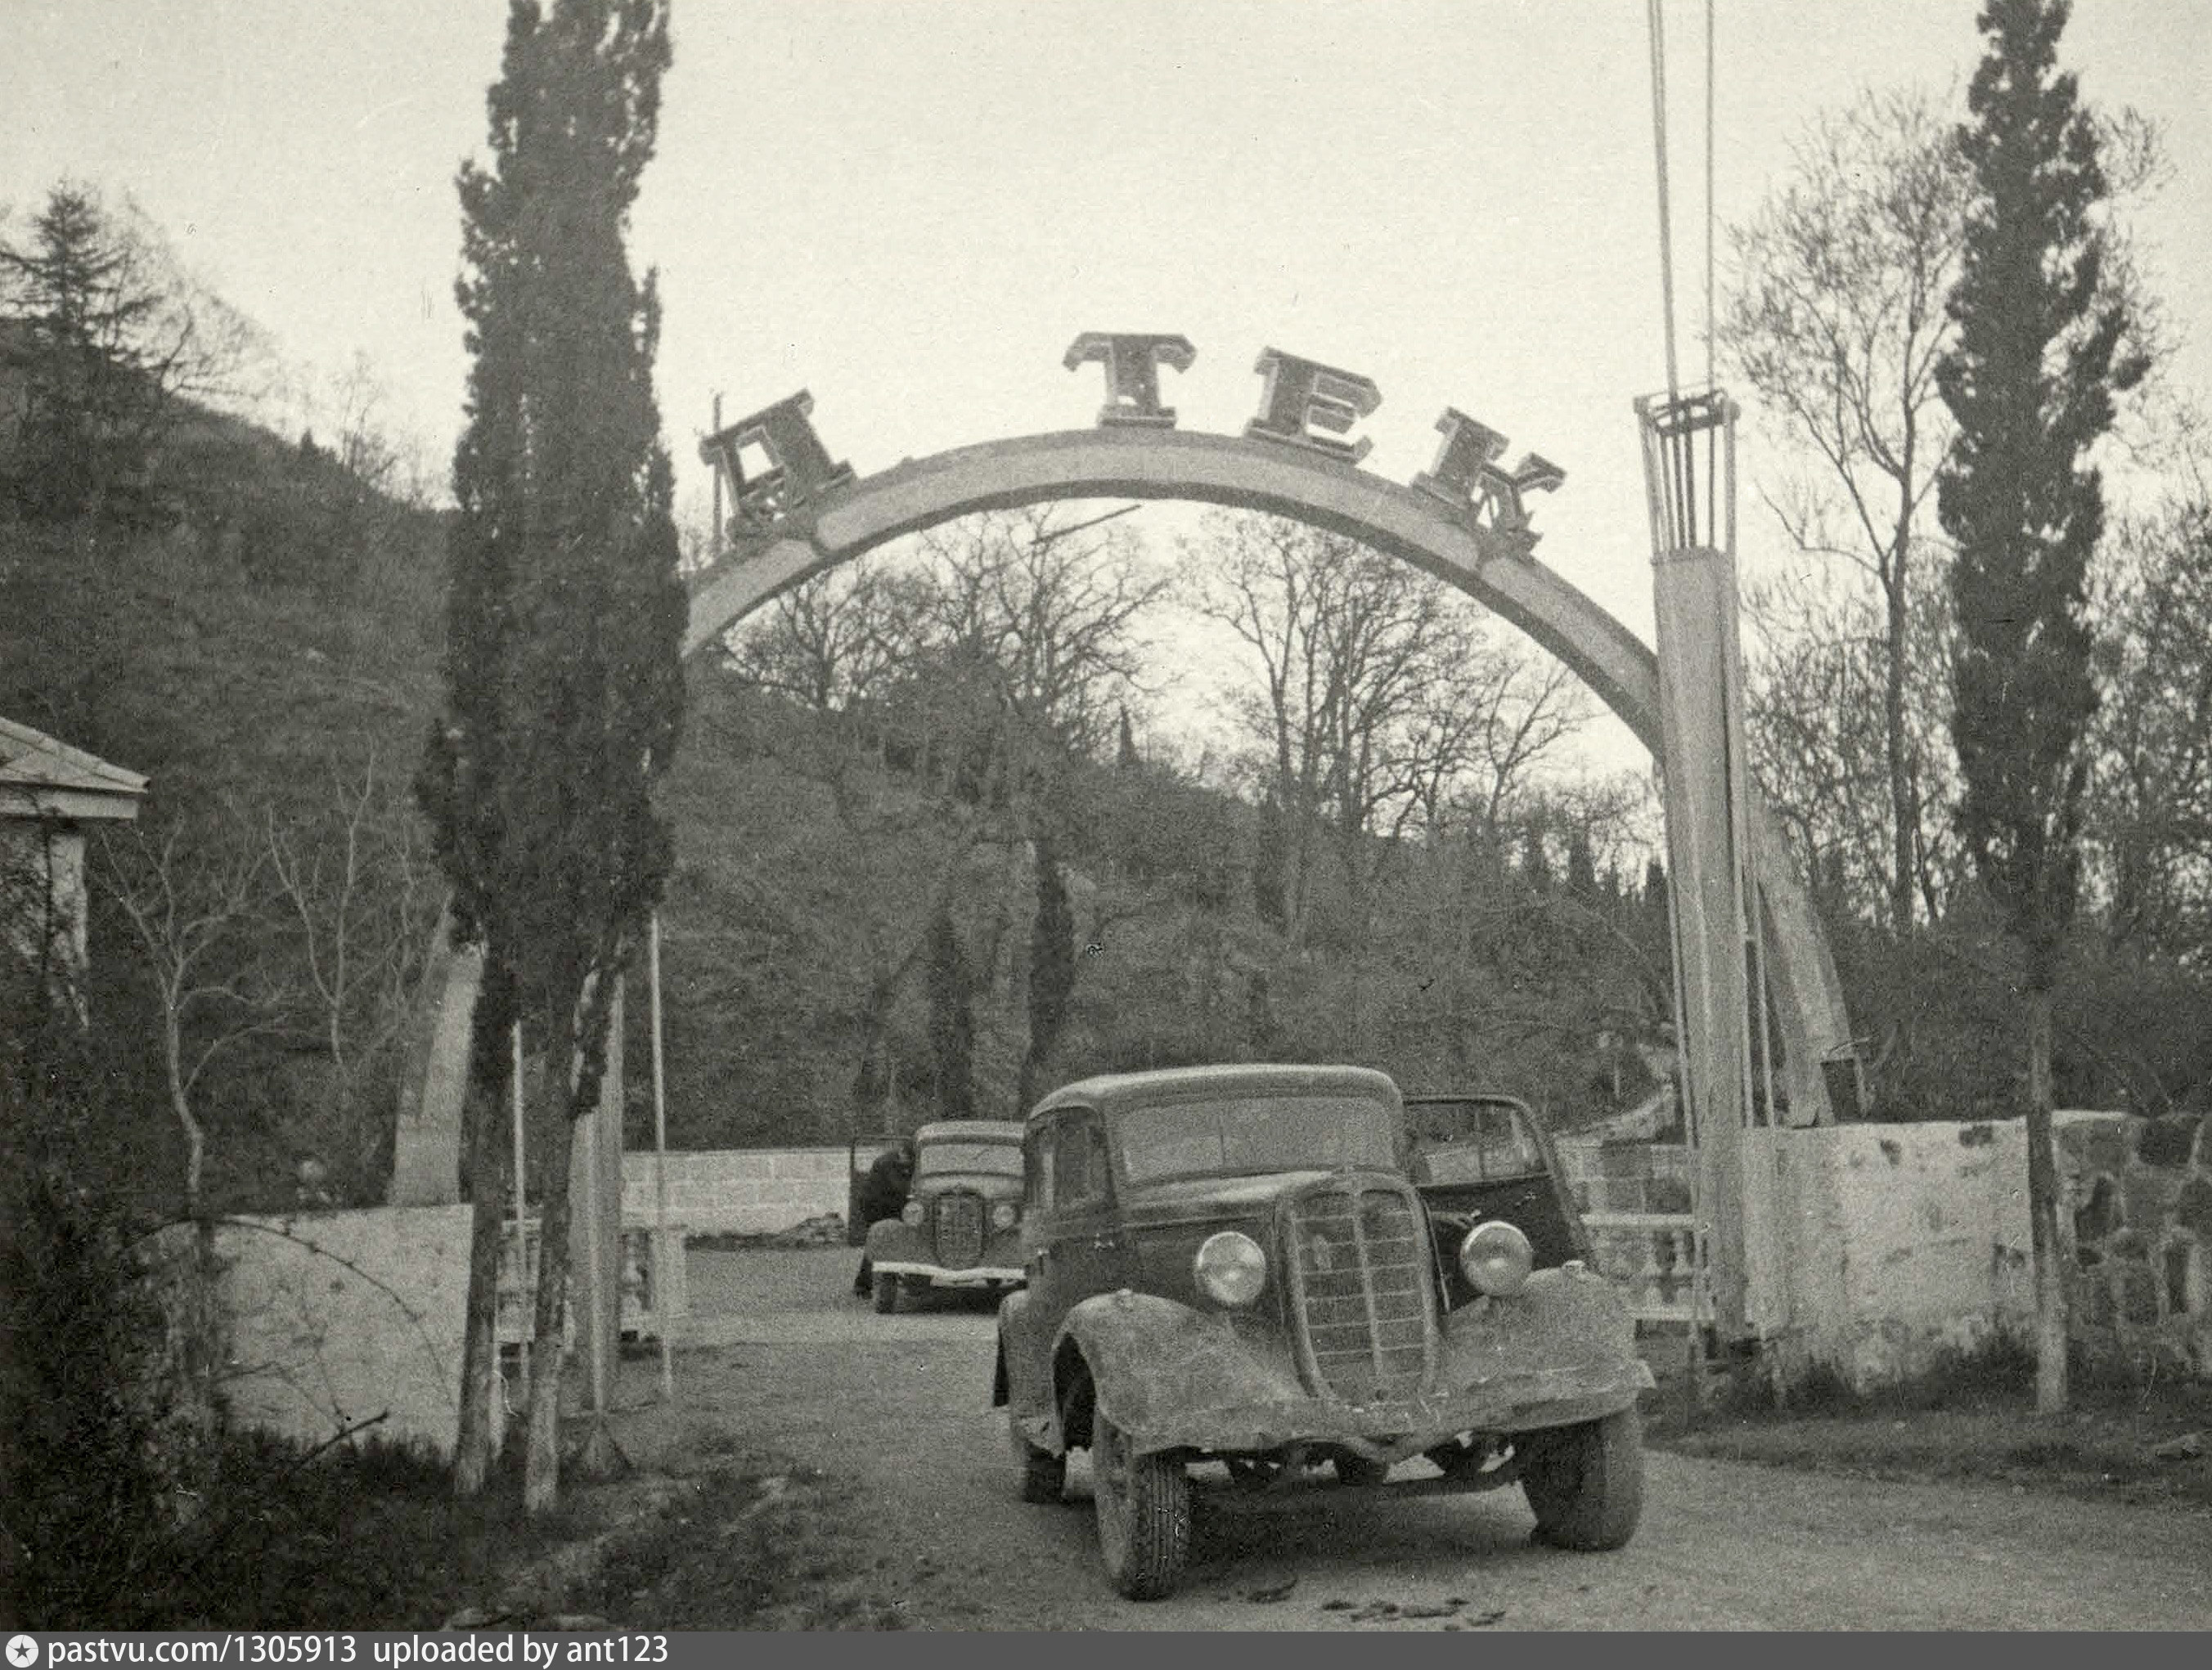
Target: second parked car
[962, 1225]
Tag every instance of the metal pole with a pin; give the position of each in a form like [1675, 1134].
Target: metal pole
[660, 1309]
[521, 1196]
[715, 537]
[604, 1333]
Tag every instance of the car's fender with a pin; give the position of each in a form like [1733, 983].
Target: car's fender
[893, 1238]
[1563, 1321]
[1017, 1380]
[1153, 1360]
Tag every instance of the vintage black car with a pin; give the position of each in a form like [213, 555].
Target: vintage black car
[962, 1226]
[1280, 1268]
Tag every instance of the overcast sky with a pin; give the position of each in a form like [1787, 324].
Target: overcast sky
[912, 210]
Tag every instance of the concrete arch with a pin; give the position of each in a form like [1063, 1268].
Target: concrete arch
[1149, 463]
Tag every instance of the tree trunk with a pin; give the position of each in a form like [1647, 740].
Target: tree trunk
[1904, 809]
[1051, 972]
[488, 1183]
[2046, 1254]
[195, 1133]
[541, 1476]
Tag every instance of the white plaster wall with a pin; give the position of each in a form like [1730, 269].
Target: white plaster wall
[335, 1316]
[748, 1191]
[1903, 1239]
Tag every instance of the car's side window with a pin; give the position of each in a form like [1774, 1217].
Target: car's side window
[1078, 1161]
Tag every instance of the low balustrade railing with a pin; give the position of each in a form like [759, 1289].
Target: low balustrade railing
[654, 1291]
[1653, 1256]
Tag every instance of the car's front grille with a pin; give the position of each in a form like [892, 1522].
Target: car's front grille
[959, 1229]
[1360, 1269]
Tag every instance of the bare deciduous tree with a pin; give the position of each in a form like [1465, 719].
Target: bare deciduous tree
[2150, 819]
[195, 897]
[356, 881]
[1382, 700]
[1834, 315]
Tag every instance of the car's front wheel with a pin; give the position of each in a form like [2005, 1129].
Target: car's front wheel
[1354, 1469]
[1144, 1513]
[1585, 1483]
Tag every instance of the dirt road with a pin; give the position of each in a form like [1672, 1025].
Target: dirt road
[781, 1357]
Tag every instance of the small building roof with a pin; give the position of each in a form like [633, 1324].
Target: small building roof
[40, 777]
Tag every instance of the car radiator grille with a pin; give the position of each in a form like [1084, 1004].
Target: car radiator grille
[1360, 1267]
[959, 1229]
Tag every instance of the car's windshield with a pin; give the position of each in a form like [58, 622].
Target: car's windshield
[1003, 1157]
[1238, 1136]
[1471, 1142]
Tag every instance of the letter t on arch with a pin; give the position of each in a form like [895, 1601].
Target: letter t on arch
[1133, 375]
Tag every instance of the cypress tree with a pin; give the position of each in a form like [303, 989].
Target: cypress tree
[1271, 859]
[951, 1017]
[1052, 970]
[2042, 348]
[1536, 860]
[1582, 865]
[565, 613]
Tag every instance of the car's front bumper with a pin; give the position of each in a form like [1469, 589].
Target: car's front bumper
[899, 1248]
[975, 1275]
[1390, 1432]
[1175, 1378]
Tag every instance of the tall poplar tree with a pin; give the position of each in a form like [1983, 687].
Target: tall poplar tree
[2043, 346]
[565, 621]
[1052, 968]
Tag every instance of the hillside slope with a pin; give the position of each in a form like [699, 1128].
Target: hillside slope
[806, 881]
[274, 638]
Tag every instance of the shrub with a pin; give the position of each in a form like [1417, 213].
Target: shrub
[90, 1456]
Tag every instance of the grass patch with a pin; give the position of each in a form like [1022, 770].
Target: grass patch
[371, 1537]
[364, 1537]
[1970, 1415]
[750, 1544]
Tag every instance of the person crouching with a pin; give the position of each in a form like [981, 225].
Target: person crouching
[882, 1194]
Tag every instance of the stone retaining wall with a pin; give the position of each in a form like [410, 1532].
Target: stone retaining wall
[1882, 1246]
[742, 1191]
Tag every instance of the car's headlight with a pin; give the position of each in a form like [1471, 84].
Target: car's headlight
[1004, 1215]
[1231, 1268]
[1497, 1258]
[911, 1214]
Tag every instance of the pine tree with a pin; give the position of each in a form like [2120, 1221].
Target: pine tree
[2042, 348]
[95, 358]
[565, 616]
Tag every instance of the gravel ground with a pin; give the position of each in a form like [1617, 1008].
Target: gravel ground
[894, 1410]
